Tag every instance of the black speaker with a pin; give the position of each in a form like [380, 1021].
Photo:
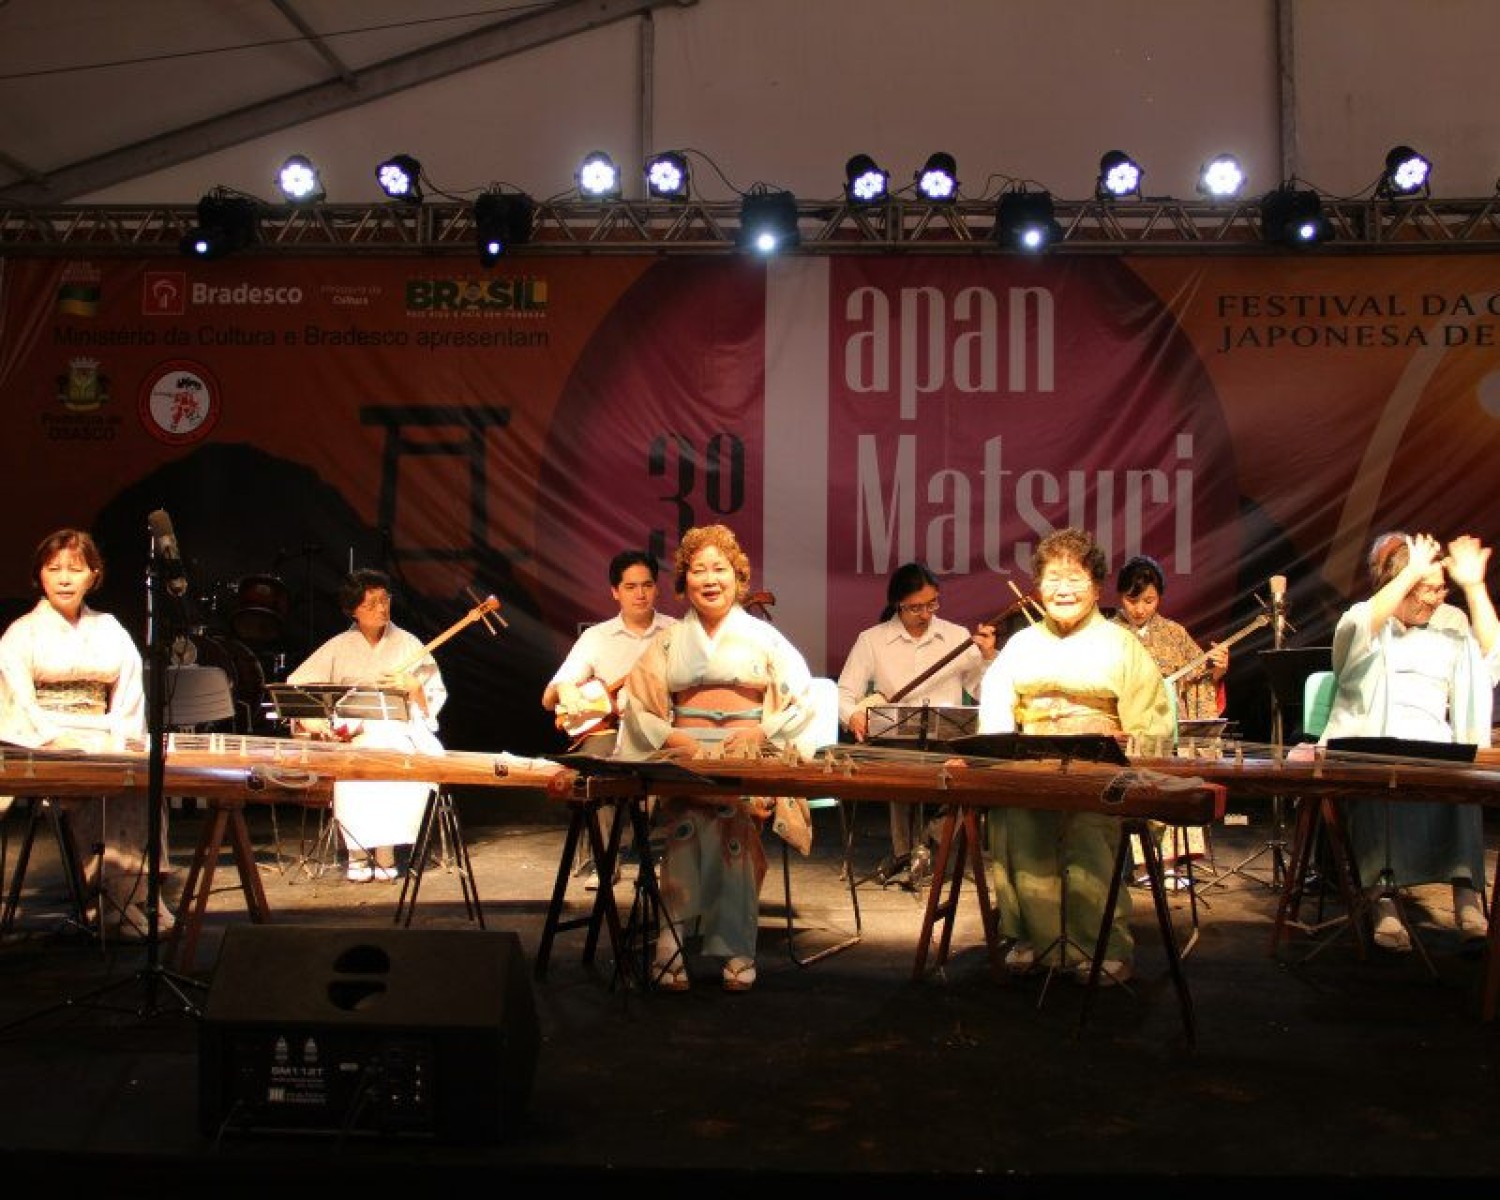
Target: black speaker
[423, 1032]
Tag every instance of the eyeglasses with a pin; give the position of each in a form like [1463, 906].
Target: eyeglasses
[916, 610]
[1073, 583]
[1435, 592]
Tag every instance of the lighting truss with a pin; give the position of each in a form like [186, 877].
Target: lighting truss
[906, 225]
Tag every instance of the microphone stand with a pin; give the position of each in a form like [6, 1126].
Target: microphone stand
[153, 975]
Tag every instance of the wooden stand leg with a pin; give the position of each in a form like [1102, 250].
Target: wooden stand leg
[959, 840]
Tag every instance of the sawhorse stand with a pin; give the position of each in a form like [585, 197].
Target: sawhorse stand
[225, 819]
[959, 845]
[439, 818]
[646, 909]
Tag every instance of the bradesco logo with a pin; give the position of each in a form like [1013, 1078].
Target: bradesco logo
[245, 295]
[519, 294]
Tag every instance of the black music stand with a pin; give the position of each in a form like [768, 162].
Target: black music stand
[337, 701]
[916, 727]
[1287, 670]
[334, 702]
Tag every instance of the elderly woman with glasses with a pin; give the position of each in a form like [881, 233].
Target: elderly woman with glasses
[1411, 666]
[1076, 672]
[375, 818]
[910, 639]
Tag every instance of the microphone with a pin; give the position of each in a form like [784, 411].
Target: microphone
[1278, 608]
[168, 556]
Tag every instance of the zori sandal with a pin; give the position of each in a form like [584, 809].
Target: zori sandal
[739, 974]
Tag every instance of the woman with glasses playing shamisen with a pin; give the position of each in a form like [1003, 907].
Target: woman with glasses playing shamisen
[1410, 666]
[909, 639]
[1074, 672]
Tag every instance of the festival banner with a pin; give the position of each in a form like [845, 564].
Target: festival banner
[506, 431]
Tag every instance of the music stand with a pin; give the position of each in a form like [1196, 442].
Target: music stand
[1287, 669]
[917, 726]
[337, 702]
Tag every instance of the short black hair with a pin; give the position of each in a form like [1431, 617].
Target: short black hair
[1138, 574]
[626, 559]
[352, 590]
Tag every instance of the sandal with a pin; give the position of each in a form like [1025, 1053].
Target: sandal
[1390, 932]
[739, 974]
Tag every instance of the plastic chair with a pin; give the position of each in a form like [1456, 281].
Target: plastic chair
[824, 696]
[1317, 702]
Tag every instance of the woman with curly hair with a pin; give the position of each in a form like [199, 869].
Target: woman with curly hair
[720, 682]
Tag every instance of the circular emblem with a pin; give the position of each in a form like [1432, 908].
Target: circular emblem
[180, 402]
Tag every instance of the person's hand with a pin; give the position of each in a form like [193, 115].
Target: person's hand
[1467, 561]
[745, 743]
[859, 724]
[984, 638]
[1218, 660]
[1424, 551]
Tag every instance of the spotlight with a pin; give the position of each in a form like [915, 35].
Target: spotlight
[667, 176]
[768, 222]
[1221, 178]
[400, 178]
[1119, 177]
[598, 178]
[937, 181]
[225, 224]
[1024, 221]
[1406, 174]
[1293, 218]
[864, 181]
[501, 220]
[299, 181]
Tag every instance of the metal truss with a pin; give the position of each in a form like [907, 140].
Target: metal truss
[700, 227]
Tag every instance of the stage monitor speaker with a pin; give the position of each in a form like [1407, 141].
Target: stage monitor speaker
[387, 1032]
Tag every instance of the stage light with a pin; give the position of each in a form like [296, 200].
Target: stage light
[1406, 174]
[1025, 221]
[501, 220]
[598, 177]
[768, 222]
[1293, 217]
[937, 181]
[226, 223]
[1119, 177]
[1221, 178]
[864, 181]
[401, 178]
[667, 176]
[299, 181]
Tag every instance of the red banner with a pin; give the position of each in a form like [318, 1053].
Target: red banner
[508, 431]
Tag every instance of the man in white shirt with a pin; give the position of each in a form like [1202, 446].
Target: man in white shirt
[583, 690]
[909, 640]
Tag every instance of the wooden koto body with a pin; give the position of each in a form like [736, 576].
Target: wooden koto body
[263, 768]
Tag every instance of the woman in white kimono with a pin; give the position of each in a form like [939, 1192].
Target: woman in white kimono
[1410, 666]
[1075, 672]
[71, 679]
[718, 682]
[375, 818]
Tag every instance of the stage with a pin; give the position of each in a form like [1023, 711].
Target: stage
[848, 1073]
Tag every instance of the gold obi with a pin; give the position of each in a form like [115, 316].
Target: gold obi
[1067, 712]
[74, 696]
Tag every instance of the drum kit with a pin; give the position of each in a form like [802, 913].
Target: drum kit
[243, 624]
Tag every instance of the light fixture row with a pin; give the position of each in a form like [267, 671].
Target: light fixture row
[1024, 218]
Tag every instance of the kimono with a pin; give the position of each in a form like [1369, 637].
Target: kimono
[373, 814]
[714, 861]
[85, 680]
[1096, 679]
[1428, 683]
